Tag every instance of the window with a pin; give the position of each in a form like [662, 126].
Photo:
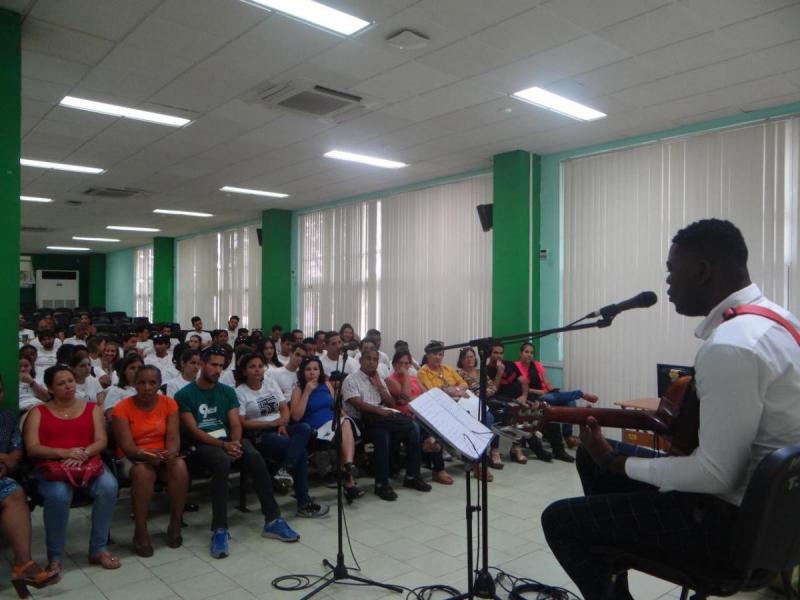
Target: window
[143, 281]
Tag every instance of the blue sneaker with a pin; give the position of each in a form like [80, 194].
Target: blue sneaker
[279, 530]
[219, 543]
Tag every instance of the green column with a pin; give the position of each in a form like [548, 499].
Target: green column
[97, 280]
[10, 101]
[163, 279]
[276, 268]
[515, 243]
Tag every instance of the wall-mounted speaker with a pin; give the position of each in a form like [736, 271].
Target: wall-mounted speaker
[259, 233]
[485, 216]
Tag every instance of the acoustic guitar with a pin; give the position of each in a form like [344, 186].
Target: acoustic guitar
[677, 417]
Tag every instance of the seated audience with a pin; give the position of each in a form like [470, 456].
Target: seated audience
[210, 417]
[349, 338]
[189, 364]
[265, 415]
[25, 335]
[368, 343]
[126, 375]
[67, 434]
[143, 343]
[219, 337]
[227, 376]
[312, 404]
[310, 345]
[275, 334]
[283, 348]
[195, 341]
[165, 329]
[86, 319]
[80, 335]
[242, 335]
[298, 335]
[270, 352]
[129, 342]
[15, 516]
[205, 337]
[467, 367]
[147, 434]
[95, 346]
[435, 374]
[539, 388]
[31, 392]
[233, 327]
[319, 342]
[286, 376]
[87, 387]
[374, 336]
[106, 371]
[46, 347]
[162, 358]
[335, 362]
[365, 397]
[403, 345]
[403, 388]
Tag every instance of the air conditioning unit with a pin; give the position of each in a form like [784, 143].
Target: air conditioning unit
[312, 99]
[57, 289]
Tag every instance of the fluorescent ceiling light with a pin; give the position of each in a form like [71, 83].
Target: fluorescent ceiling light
[123, 111]
[69, 248]
[93, 239]
[126, 228]
[316, 13]
[35, 199]
[43, 164]
[367, 160]
[188, 213]
[238, 190]
[559, 104]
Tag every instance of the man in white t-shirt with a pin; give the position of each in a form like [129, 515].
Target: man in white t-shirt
[285, 349]
[233, 327]
[80, 335]
[319, 342]
[162, 358]
[165, 329]
[25, 335]
[144, 344]
[45, 345]
[286, 376]
[334, 360]
[205, 337]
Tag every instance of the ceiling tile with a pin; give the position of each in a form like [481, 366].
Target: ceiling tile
[173, 39]
[754, 93]
[621, 75]
[110, 19]
[125, 58]
[719, 13]
[286, 130]
[202, 89]
[529, 33]
[441, 101]
[578, 56]
[224, 19]
[44, 38]
[659, 27]
[596, 15]
[785, 57]
[251, 114]
[357, 60]
[465, 58]
[409, 79]
[50, 68]
[127, 87]
[470, 16]
[705, 49]
[766, 30]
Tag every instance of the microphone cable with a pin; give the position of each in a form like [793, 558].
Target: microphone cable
[519, 588]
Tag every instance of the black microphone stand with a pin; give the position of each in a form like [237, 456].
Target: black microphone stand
[483, 585]
[339, 571]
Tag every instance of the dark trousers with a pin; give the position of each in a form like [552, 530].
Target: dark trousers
[290, 451]
[219, 463]
[387, 433]
[436, 459]
[634, 517]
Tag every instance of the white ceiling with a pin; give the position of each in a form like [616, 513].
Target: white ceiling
[445, 109]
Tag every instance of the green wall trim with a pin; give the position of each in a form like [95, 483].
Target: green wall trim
[10, 110]
[552, 212]
[514, 240]
[119, 281]
[411, 187]
[276, 268]
[97, 280]
[163, 279]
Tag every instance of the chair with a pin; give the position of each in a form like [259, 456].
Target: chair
[766, 539]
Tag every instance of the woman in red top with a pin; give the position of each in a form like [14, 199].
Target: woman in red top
[147, 432]
[71, 431]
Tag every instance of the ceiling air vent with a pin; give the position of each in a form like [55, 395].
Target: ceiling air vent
[34, 229]
[111, 192]
[314, 100]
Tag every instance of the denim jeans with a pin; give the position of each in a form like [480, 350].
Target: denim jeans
[57, 499]
[291, 453]
[386, 433]
[563, 399]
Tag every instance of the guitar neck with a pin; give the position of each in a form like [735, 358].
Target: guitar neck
[607, 417]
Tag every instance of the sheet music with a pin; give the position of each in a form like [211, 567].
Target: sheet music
[452, 423]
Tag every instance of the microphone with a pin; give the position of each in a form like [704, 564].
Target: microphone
[643, 300]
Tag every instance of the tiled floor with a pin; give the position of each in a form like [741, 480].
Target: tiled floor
[417, 540]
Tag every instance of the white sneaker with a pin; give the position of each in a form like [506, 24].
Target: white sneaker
[282, 478]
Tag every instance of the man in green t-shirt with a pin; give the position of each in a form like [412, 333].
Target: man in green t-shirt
[210, 416]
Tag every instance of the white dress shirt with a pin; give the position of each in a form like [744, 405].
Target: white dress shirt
[748, 383]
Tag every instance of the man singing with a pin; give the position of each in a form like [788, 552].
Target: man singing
[747, 374]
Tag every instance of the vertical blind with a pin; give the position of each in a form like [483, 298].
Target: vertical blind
[621, 210]
[219, 275]
[143, 281]
[416, 265]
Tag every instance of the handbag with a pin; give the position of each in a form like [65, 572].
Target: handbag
[79, 476]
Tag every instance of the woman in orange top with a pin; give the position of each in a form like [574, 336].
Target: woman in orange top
[146, 429]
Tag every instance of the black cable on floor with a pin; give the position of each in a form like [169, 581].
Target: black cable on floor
[522, 588]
